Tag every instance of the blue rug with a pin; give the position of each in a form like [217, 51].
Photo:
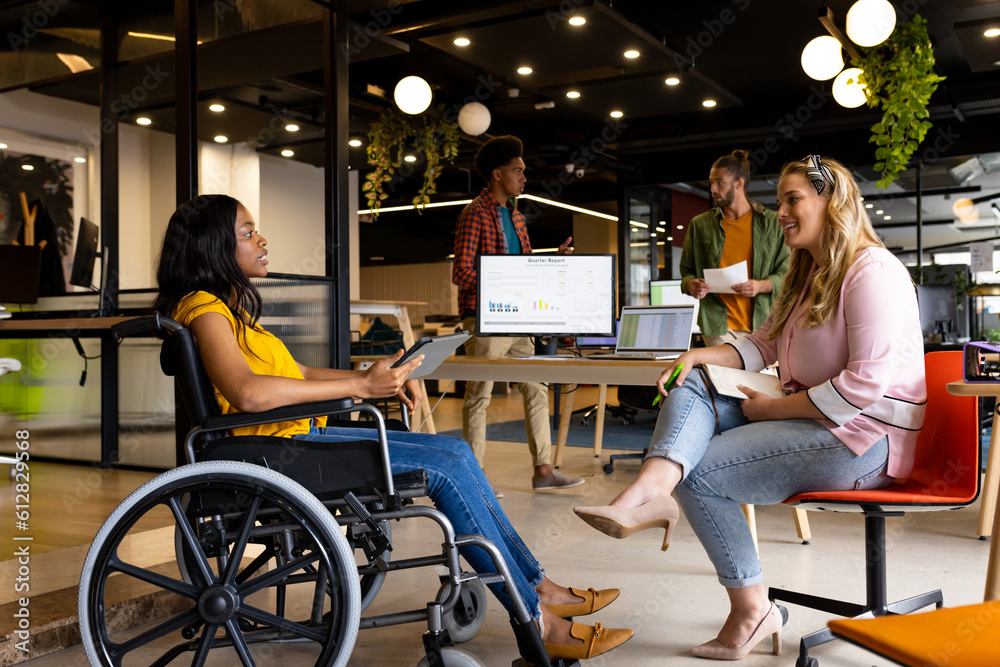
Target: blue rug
[634, 437]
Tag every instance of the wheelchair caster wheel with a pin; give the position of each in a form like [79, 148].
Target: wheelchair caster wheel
[806, 662]
[454, 657]
[468, 614]
[608, 469]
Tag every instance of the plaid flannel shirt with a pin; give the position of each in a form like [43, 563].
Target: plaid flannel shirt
[480, 232]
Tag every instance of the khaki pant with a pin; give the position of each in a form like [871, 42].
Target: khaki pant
[478, 394]
[731, 336]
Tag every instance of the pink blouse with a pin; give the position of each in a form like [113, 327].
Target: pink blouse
[864, 368]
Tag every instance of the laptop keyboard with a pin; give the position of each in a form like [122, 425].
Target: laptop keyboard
[633, 355]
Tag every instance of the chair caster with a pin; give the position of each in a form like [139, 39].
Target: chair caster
[609, 468]
[454, 657]
[806, 661]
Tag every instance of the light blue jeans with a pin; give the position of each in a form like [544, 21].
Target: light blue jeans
[458, 488]
[756, 463]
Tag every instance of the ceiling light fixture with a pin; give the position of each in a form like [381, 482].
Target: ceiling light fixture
[142, 120]
[709, 103]
[879, 212]
[292, 127]
[216, 108]
[992, 32]
[631, 53]
[822, 58]
[577, 21]
[2, 146]
[672, 81]
[616, 114]
[79, 160]
[848, 90]
[28, 167]
[888, 217]
[870, 22]
[288, 152]
[221, 138]
[524, 70]
[474, 118]
[354, 142]
[965, 210]
[412, 95]
[573, 94]
[410, 158]
[869, 205]
[462, 41]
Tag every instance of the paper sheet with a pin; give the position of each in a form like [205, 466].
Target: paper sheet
[720, 280]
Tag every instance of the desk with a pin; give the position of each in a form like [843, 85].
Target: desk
[989, 519]
[83, 327]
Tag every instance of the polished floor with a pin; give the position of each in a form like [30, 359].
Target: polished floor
[671, 600]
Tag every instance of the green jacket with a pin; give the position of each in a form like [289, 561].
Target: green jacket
[703, 249]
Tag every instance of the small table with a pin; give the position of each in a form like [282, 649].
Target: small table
[989, 519]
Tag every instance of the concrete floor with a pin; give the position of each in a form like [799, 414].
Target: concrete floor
[671, 600]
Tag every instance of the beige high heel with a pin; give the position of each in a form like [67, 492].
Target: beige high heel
[621, 522]
[769, 625]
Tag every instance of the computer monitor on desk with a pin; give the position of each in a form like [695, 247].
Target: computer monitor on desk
[20, 271]
[546, 295]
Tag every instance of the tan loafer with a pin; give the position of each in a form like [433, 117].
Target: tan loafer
[593, 600]
[596, 640]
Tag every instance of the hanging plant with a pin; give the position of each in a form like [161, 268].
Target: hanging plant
[900, 79]
[388, 140]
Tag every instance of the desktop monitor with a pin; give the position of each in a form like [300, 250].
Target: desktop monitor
[938, 309]
[546, 295]
[20, 273]
[87, 250]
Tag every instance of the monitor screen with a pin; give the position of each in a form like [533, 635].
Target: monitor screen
[87, 240]
[546, 295]
[938, 309]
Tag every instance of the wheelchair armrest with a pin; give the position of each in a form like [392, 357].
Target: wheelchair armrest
[282, 414]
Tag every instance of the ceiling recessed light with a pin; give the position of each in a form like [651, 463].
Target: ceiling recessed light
[888, 217]
[573, 94]
[288, 152]
[216, 108]
[672, 81]
[680, 226]
[292, 127]
[577, 20]
[354, 142]
[462, 41]
[879, 212]
[631, 53]
[992, 32]
[869, 205]
[410, 158]
[28, 167]
[708, 103]
[616, 114]
[670, 238]
[2, 146]
[221, 139]
[524, 70]
[143, 121]
[79, 160]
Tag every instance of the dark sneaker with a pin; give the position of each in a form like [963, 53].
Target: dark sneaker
[555, 482]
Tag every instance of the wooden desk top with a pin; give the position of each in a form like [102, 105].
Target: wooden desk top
[67, 324]
[963, 388]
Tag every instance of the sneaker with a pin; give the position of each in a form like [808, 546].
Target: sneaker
[555, 482]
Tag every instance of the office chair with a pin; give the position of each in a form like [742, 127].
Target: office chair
[635, 398]
[945, 476]
[258, 517]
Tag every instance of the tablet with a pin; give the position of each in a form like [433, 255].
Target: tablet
[435, 350]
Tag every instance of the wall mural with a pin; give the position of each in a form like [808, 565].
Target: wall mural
[47, 189]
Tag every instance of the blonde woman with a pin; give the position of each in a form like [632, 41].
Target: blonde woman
[846, 335]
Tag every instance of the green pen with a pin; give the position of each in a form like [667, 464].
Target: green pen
[670, 382]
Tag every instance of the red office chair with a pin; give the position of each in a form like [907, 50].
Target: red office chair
[945, 476]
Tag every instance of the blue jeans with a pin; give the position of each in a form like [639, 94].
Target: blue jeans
[460, 491]
[756, 463]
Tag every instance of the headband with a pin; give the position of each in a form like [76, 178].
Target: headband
[818, 173]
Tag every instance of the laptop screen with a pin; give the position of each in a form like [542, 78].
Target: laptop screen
[655, 328]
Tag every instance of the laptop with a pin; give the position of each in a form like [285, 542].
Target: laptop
[653, 332]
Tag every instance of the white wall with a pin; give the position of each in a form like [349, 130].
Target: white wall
[291, 215]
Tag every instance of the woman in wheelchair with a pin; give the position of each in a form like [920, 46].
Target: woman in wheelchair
[211, 249]
[846, 333]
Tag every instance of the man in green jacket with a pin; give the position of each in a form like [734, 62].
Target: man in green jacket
[737, 230]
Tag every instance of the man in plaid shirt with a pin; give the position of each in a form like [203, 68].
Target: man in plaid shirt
[490, 225]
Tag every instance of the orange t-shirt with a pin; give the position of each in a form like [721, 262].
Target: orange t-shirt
[737, 248]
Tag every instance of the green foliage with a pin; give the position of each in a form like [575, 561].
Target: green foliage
[899, 75]
[388, 140]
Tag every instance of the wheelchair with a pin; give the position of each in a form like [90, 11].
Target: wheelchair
[280, 544]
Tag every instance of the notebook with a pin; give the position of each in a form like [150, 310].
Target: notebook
[652, 332]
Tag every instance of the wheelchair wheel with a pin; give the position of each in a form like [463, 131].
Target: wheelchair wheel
[468, 614]
[454, 657]
[259, 548]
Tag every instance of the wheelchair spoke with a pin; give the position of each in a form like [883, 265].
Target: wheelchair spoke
[165, 628]
[205, 645]
[179, 587]
[239, 643]
[267, 618]
[277, 574]
[239, 547]
[254, 566]
[192, 541]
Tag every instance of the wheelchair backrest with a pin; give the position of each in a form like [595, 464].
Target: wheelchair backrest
[193, 390]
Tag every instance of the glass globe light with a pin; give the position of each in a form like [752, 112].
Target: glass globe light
[412, 95]
[847, 90]
[474, 118]
[822, 58]
[870, 22]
